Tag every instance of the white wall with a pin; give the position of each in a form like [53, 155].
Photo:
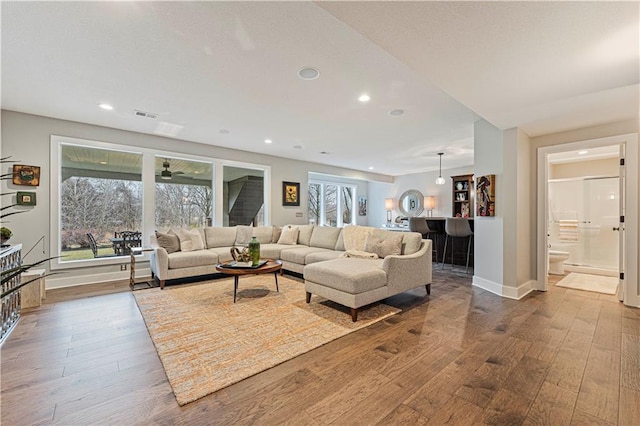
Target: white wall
[26, 138]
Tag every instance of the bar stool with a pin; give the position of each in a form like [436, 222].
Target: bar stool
[419, 224]
[457, 227]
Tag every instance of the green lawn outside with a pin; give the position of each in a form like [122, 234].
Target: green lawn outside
[84, 254]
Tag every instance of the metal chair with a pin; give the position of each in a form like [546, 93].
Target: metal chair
[94, 247]
[457, 227]
[419, 224]
[130, 239]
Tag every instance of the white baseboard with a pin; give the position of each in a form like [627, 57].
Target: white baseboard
[60, 281]
[515, 293]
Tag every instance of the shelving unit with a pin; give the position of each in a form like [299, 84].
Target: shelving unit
[462, 196]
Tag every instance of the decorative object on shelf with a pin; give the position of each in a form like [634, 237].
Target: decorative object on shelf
[254, 251]
[440, 180]
[5, 234]
[486, 195]
[362, 206]
[26, 175]
[388, 206]
[462, 196]
[430, 204]
[291, 193]
[26, 198]
[411, 203]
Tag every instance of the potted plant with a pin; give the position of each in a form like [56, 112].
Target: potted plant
[5, 234]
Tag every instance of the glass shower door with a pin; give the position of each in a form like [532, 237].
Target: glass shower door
[584, 213]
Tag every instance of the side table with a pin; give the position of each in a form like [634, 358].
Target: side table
[136, 251]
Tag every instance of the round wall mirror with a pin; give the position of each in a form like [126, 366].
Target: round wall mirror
[411, 203]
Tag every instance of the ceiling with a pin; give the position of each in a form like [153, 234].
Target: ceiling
[207, 67]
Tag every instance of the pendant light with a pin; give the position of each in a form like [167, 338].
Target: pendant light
[440, 180]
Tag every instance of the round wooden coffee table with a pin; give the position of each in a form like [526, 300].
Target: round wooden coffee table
[274, 266]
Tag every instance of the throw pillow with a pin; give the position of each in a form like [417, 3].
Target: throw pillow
[383, 247]
[171, 243]
[189, 240]
[289, 235]
[243, 235]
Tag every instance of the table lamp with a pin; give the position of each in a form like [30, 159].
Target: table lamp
[388, 205]
[429, 204]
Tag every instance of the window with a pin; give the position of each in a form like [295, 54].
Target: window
[243, 196]
[183, 194]
[331, 204]
[100, 195]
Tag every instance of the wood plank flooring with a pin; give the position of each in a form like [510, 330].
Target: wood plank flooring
[460, 356]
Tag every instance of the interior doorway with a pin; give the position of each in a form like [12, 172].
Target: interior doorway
[587, 212]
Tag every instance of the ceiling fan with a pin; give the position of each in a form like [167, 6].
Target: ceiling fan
[166, 174]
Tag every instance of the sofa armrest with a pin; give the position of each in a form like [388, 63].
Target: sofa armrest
[405, 272]
[159, 262]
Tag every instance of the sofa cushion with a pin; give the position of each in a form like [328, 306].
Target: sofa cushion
[304, 235]
[289, 235]
[181, 259]
[355, 236]
[243, 235]
[220, 236]
[273, 251]
[340, 242]
[383, 247]
[321, 256]
[349, 275]
[169, 242]
[223, 253]
[298, 254]
[325, 237]
[264, 234]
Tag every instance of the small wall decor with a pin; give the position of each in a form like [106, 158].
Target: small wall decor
[26, 198]
[362, 206]
[26, 175]
[290, 193]
[486, 195]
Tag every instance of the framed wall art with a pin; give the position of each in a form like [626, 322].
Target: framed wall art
[362, 206]
[486, 195]
[26, 175]
[290, 193]
[26, 198]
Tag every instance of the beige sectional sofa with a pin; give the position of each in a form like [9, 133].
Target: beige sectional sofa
[318, 254]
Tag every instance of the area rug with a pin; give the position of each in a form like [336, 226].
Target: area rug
[206, 342]
[588, 282]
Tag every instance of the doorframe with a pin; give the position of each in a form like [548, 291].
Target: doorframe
[631, 287]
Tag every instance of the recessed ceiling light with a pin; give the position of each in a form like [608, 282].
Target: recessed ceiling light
[103, 162]
[324, 152]
[396, 112]
[371, 168]
[364, 98]
[268, 141]
[308, 73]
[223, 131]
[583, 152]
[105, 106]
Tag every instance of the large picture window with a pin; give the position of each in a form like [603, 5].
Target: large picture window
[100, 197]
[331, 204]
[183, 194]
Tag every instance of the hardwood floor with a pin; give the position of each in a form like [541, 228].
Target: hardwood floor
[460, 356]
